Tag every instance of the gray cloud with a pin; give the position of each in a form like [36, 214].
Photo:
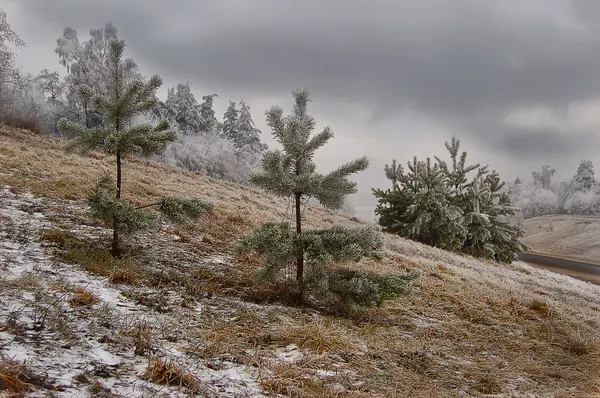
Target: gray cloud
[462, 66]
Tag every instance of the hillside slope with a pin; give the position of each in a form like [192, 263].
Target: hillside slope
[576, 237]
[469, 328]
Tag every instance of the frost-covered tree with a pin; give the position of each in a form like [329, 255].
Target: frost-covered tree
[50, 84]
[212, 155]
[207, 114]
[421, 207]
[291, 173]
[248, 134]
[445, 207]
[230, 122]
[182, 109]
[126, 97]
[239, 127]
[10, 74]
[584, 179]
[87, 69]
[544, 179]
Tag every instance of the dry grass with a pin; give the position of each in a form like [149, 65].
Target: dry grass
[11, 378]
[83, 297]
[17, 380]
[320, 335]
[468, 325]
[167, 372]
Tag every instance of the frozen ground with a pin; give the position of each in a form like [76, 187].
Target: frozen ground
[83, 348]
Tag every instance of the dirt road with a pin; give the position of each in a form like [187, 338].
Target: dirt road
[577, 269]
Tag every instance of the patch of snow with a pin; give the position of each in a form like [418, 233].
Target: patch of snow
[87, 346]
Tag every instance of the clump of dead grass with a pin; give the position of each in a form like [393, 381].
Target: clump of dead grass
[141, 334]
[125, 276]
[17, 380]
[167, 372]
[488, 383]
[12, 378]
[84, 297]
[540, 307]
[581, 343]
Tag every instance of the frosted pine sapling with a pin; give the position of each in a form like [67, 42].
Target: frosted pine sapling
[291, 173]
[125, 97]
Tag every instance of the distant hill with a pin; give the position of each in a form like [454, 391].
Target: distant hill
[576, 237]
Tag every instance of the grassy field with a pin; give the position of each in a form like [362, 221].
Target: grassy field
[469, 328]
[576, 237]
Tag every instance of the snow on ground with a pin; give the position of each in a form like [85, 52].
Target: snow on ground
[76, 347]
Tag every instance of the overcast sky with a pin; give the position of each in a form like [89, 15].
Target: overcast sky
[517, 81]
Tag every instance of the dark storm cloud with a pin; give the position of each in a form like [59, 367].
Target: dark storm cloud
[464, 63]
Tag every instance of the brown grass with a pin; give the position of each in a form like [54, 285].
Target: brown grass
[124, 276]
[11, 378]
[319, 335]
[468, 325]
[167, 372]
[17, 380]
[83, 297]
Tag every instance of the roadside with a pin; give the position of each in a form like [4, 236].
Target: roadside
[586, 271]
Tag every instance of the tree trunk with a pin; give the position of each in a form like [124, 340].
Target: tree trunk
[85, 111]
[116, 247]
[300, 254]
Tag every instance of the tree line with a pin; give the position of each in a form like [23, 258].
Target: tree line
[229, 149]
[579, 195]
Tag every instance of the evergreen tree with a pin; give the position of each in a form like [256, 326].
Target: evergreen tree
[125, 97]
[248, 134]
[292, 173]
[207, 114]
[421, 208]
[230, 122]
[393, 173]
[442, 207]
[182, 108]
[584, 179]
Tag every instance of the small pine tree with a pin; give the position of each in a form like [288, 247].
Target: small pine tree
[440, 206]
[292, 173]
[126, 97]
